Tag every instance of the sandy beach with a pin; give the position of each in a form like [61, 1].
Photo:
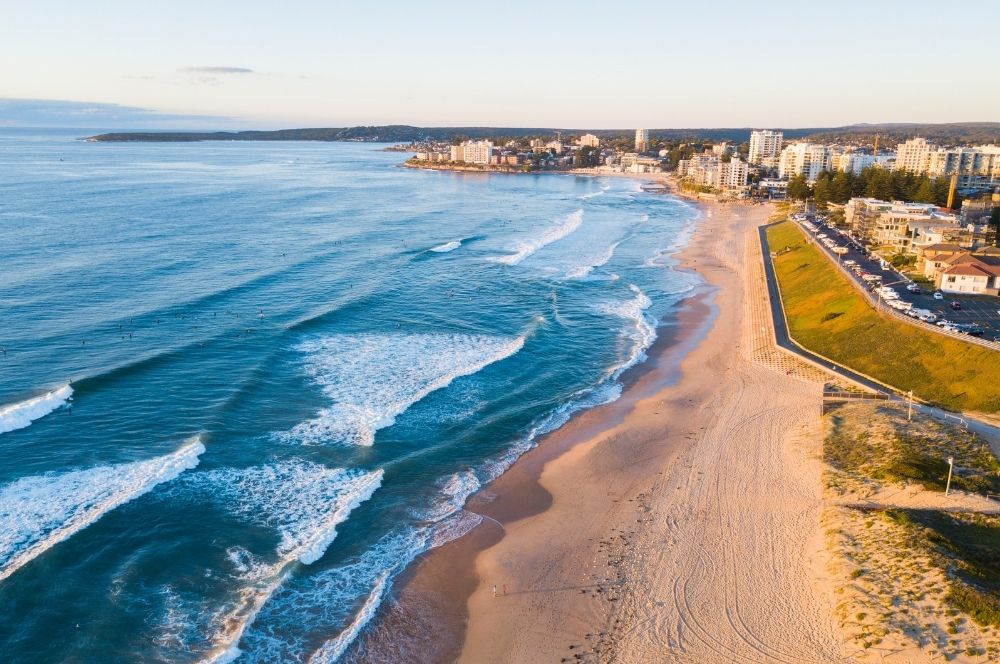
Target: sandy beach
[680, 523]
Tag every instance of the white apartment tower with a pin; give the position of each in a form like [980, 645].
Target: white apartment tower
[732, 174]
[764, 144]
[589, 141]
[641, 140]
[472, 152]
[808, 159]
[913, 155]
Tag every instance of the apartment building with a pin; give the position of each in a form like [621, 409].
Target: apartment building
[899, 226]
[472, 152]
[808, 159]
[641, 140]
[589, 141]
[977, 167]
[764, 145]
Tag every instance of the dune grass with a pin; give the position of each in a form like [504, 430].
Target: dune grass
[967, 546]
[828, 316]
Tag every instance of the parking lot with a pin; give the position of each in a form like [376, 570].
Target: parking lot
[982, 311]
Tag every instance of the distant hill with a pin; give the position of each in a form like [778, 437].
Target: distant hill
[955, 133]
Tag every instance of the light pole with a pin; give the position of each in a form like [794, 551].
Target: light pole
[909, 408]
[951, 464]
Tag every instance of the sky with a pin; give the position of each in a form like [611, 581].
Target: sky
[216, 64]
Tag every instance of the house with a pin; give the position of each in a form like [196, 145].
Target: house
[976, 274]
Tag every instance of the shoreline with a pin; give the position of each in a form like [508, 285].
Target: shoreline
[441, 580]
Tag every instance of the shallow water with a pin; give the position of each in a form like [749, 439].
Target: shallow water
[246, 383]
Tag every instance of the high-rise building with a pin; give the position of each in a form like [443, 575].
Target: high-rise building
[641, 140]
[977, 167]
[764, 144]
[808, 159]
[589, 141]
[478, 152]
[732, 174]
[913, 155]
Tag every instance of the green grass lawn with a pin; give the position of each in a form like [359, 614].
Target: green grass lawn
[828, 316]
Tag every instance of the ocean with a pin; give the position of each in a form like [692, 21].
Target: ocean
[243, 385]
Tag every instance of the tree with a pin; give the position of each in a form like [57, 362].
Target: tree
[925, 192]
[798, 188]
[821, 191]
[840, 188]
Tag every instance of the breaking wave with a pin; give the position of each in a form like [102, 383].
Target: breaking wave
[373, 378]
[582, 271]
[642, 332]
[304, 502]
[447, 246]
[22, 414]
[526, 248]
[36, 513]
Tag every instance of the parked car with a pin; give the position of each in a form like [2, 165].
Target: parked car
[956, 305]
[927, 318]
[913, 288]
[938, 295]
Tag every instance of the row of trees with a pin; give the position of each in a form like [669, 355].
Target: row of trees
[872, 182]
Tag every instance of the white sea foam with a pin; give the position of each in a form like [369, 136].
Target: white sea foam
[447, 246]
[642, 332]
[526, 248]
[38, 512]
[330, 597]
[598, 260]
[335, 647]
[372, 378]
[22, 414]
[454, 491]
[304, 502]
[594, 194]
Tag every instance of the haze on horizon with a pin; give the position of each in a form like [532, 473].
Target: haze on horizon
[580, 64]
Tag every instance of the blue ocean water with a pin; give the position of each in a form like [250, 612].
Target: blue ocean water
[244, 384]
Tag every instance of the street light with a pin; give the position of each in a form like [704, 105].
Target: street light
[951, 465]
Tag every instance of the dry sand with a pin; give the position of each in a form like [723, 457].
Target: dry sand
[678, 524]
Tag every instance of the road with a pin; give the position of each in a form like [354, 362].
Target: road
[981, 310]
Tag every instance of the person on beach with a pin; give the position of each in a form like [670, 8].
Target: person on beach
[494, 590]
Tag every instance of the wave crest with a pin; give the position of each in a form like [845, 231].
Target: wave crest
[22, 414]
[36, 513]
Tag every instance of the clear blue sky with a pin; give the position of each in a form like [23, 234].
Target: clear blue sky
[540, 63]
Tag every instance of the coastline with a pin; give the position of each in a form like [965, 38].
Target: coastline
[617, 537]
[434, 590]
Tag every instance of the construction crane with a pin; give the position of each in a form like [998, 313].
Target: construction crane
[951, 189]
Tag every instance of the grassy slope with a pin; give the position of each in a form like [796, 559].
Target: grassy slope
[826, 315]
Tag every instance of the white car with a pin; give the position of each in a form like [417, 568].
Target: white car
[938, 295]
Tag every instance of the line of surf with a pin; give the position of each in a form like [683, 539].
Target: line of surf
[303, 541]
[374, 378]
[526, 248]
[447, 246]
[333, 649]
[38, 512]
[584, 270]
[20, 415]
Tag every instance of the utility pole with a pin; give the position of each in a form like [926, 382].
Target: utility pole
[951, 464]
[909, 408]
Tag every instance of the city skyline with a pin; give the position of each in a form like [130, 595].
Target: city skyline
[244, 65]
